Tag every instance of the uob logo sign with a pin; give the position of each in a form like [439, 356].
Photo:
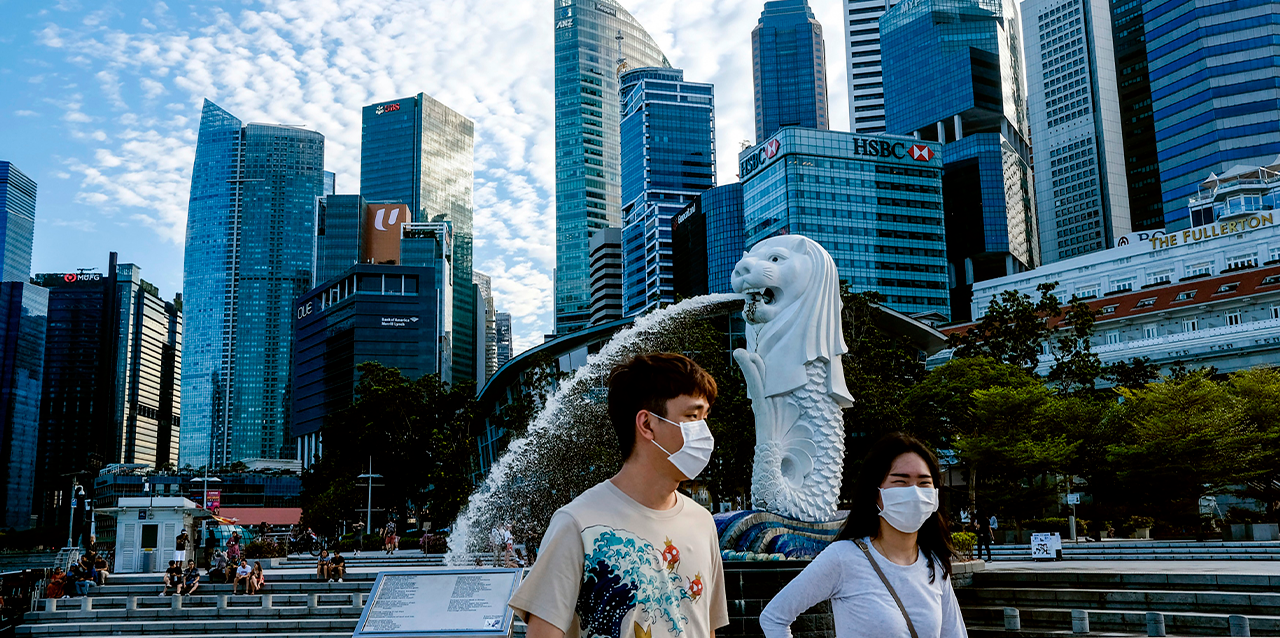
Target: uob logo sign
[382, 216]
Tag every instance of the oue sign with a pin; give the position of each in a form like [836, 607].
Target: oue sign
[304, 309]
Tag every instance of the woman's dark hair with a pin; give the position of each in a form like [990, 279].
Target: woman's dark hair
[934, 537]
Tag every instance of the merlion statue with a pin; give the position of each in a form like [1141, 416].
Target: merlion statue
[794, 377]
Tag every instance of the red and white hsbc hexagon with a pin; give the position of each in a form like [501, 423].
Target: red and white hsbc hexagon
[921, 153]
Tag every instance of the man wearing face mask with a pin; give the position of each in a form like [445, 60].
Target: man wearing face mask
[888, 574]
[632, 557]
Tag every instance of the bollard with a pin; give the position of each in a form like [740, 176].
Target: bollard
[355, 600]
[1239, 625]
[132, 604]
[224, 601]
[1012, 619]
[1079, 621]
[175, 602]
[313, 601]
[51, 605]
[1155, 624]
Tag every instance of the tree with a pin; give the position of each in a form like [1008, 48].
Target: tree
[728, 475]
[1076, 367]
[1183, 439]
[1133, 374]
[1013, 330]
[418, 434]
[1259, 393]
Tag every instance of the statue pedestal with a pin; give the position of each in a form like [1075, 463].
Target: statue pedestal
[750, 585]
[755, 535]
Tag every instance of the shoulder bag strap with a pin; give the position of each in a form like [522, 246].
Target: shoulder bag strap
[910, 627]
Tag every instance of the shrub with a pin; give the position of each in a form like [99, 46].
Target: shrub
[1140, 522]
[437, 544]
[964, 542]
[410, 542]
[263, 548]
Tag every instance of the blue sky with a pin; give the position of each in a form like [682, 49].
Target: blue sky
[100, 100]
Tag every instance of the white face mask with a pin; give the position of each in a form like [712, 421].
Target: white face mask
[693, 456]
[907, 508]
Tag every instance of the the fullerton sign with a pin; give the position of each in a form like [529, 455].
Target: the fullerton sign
[1220, 229]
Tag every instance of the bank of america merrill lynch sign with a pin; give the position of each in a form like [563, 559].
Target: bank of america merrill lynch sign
[867, 147]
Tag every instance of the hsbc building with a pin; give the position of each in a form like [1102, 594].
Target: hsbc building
[873, 201]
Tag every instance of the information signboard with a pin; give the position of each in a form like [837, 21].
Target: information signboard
[440, 603]
[1046, 546]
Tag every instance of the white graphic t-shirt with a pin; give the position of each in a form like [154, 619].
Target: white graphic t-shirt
[611, 567]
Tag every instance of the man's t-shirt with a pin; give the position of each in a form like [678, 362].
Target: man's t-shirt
[180, 543]
[193, 575]
[174, 572]
[337, 560]
[611, 567]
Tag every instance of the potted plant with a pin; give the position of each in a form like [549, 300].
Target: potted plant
[1141, 526]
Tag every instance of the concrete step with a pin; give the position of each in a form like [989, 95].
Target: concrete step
[1248, 583]
[329, 608]
[1261, 603]
[1188, 623]
[998, 631]
[205, 628]
[100, 594]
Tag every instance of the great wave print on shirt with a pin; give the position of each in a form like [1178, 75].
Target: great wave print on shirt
[623, 571]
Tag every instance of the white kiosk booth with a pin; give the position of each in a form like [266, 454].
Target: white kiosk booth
[147, 528]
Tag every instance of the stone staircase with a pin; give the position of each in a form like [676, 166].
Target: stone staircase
[1119, 603]
[1150, 550]
[370, 560]
[293, 605]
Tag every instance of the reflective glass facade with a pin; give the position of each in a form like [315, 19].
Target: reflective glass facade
[17, 233]
[1081, 193]
[789, 65]
[249, 254]
[668, 158]
[1215, 91]
[874, 202]
[23, 320]
[707, 241]
[338, 234]
[862, 53]
[112, 370]
[1137, 125]
[589, 57]
[502, 326]
[980, 115]
[387, 314]
[417, 151]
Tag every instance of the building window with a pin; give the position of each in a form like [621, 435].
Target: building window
[1110, 310]
[1146, 303]
[1088, 292]
[1233, 318]
[1189, 325]
[1242, 261]
[1273, 255]
[1270, 281]
[1186, 295]
[1122, 285]
[1162, 277]
[1196, 270]
[1275, 312]
[1150, 332]
[1113, 337]
[1224, 288]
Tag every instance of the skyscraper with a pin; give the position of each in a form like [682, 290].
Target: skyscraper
[979, 113]
[707, 241]
[112, 365]
[789, 64]
[1214, 90]
[249, 254]
[606, 276]
[419, 152]
[1082, 198]
[1137, 121]
[486, 329]
[596, 40]
[338, 224]
[17, 233]
[23, 320]
[668, 159]
[862, 53]
[502, 327]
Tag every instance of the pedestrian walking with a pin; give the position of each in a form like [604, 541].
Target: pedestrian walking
[985, 537]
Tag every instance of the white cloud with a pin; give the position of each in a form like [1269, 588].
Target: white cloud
[317, 62]
[26, 113]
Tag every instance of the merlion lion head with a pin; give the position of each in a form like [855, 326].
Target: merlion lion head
[776, 274]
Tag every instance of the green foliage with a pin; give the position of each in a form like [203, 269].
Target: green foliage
[1076, 367]
[728, 475]
[418, 435]
[1013, 330]
[1133, 374]
[964, 542]
[263, 548]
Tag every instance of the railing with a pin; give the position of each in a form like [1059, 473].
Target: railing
[135, 602]
[1180, 337]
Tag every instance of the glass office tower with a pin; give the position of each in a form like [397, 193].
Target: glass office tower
[419, 152]
[23, 320]
[17, 233]
[1214, 91]
[596, 40]
[1137, 121]
[789, 64]
[1081, 195]
[668, 159]
[338, 234]
[249, 253]
[873, 201]
[979, 114]
[707, 242]
[862, 53]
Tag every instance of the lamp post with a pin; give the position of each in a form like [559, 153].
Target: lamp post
[204, 502]
[77, 493]
[368, 513]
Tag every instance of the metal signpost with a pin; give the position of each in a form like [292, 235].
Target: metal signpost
[455, 603]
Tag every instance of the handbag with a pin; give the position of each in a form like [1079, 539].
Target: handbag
[910, 627]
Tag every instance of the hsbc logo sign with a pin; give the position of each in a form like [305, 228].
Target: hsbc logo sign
[771, 149]
[387, 108]
[921, 153]
[758, 158]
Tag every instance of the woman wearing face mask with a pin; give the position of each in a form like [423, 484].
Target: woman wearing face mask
[888, 574]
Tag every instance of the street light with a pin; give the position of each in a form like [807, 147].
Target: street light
[206, 479]
[368, 513]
